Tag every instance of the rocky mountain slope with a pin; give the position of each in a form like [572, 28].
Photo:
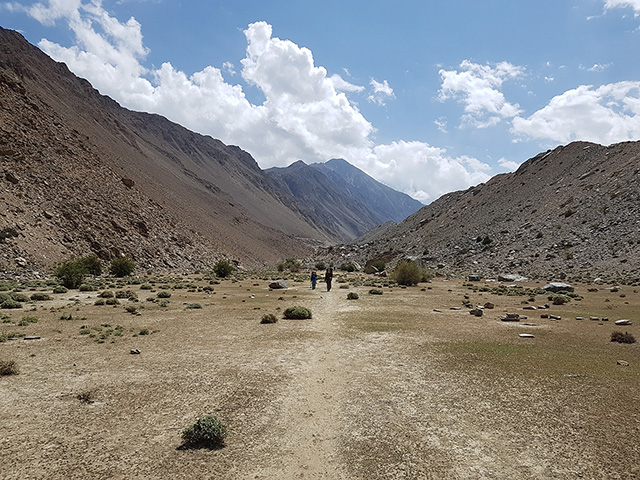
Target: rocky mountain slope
[80, 175]
[386, 202]
[345, 216]
[571, 212]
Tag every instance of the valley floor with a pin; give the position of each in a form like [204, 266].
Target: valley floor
[392, 386]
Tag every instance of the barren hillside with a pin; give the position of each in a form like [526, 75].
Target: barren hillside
[566, 213]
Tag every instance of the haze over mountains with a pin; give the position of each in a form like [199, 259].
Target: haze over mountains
[81, 175]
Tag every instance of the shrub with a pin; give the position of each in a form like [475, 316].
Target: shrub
[194, 305]
[290, 264]
[620, 337]
[121, 267]
[407, 272]
[348, 267]
[19, 297]
[144, 331]
[10, 303]
[99, 302]
[7, 233]
[297, 313]
[8, 367]
[163, 294]
[111, 301]
[27, 320]
[71, 273]
[559, 299]
[92, 265]
[269, 318]
[352, 296]
[223, 269]
[375, 291]
[39, 296]
[60, 289]
[320, 266]
[126, 294]
[106, 294]
[208, 432]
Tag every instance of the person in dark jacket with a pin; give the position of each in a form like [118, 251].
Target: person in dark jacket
[328, 276]
[314, 279]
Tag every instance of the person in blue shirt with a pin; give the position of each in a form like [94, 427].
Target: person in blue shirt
[314, 279]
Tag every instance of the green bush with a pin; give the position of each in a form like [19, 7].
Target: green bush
[121, 267]
[375, 291]
[407, 272]
[10, 303]
[269, 318]
[27, 320]
[19, 297]
[163, 294]
[60, 289]
[373, 266]
[320, 266]
[223, 269]
[92, 265]
[297, 313]
[71, 273]
[348, 267]
[352, 296]
[559, 299]
[208, 432]
[39, 296]
[106, 294]
[194, 305]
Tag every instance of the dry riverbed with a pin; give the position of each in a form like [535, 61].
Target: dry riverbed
[391, 386]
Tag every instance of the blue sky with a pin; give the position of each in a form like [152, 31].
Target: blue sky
[425, 96]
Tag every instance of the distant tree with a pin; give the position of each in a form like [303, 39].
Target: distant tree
[71, 273]
[92, 265]
[223, 269]
[407, 272]
[122, 266]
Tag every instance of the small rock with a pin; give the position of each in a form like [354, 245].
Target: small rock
[135, 351]
[579, 318]
[278, 284]
[595, 319]
[526, 335]
[489, 305]
[623, 322]
[556, 287]
[510, 317]
[530, 307]
[544, 315]
[128, 182]
[623, 363]
[32, 337]
[555, 317]
[456, 308]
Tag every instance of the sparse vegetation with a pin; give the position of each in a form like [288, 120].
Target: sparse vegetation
[208, 432]
[348, 267]
[8, 367]
[352, 296]
[620, 337]
[7, 232]
[375, 291]
[297, 313]
[40, 296]
[269, 318]
[71, 273]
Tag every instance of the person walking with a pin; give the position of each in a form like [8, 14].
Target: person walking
[328, 276]
[314, 279]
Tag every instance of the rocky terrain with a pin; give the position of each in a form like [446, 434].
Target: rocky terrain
[571, 212]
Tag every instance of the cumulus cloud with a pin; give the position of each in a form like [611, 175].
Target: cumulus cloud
[508, 165]
[306, 113]
[478, 88]
[381, 92]
[635, 4]
[596, 67]
[606, 114]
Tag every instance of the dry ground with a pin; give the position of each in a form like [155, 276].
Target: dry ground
[376, 388]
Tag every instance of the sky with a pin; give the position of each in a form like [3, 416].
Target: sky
[426, 96]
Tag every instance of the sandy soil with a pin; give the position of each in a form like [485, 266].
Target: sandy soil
[397, 386]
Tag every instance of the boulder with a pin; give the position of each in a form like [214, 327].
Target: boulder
[489, 305]
[556, 287]
[623, 322]
[278, 285]
[512, 277]
[510, 317]
[475, 278]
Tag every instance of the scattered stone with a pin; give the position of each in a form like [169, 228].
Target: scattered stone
[489, 305]
[544, 315]
[278, 284]
[579, 318]
[128, 182]
[595, 319]
[526, 335]
[510, 317]
[477, 312]
[623, 363]
[475, 278]
[135, 351]
[623, 322]
[605, 319]
[21, 262]
[11, 178]
[555, 317]
[556, 287]
[512, 277]
[32, 337]
[437, 310]
[456, 308]
[530, 307]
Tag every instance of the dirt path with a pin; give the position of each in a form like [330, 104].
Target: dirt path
[311, 405]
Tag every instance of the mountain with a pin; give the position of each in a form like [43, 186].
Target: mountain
[81, 175]
[572, 212]
[342, 199]
[388, 203]
[338, 211]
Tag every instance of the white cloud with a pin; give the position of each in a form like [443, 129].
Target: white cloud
[441, 123]
[508, 165]
[230, 68]
[478, 88]
[381, 92]
[421, 170]
[306, 113]
[607, 114]
[596, 67]
[635, 4]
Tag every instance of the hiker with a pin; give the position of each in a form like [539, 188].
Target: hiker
[314, 279]
[328, 277]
